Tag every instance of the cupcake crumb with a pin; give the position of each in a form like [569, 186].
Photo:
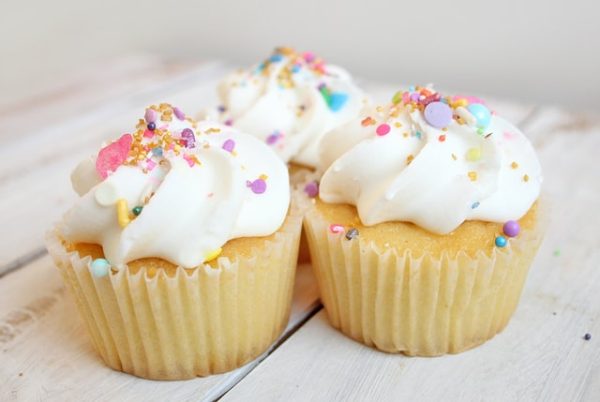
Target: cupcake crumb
[587, 337]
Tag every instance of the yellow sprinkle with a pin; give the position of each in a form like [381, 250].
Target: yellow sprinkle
[122, 212]
[263, 177]
[398, 124]
[213, 254]
[409, 159]
[473, 154]
[514, 165]
[472, 175]
[405, 135]
[526, 178]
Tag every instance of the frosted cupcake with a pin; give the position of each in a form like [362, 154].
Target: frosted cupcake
[289, 101]
[426, 223]
[181, 249]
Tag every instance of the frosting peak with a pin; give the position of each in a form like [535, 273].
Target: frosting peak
[432, 160]
[177, 189]
[289, 101]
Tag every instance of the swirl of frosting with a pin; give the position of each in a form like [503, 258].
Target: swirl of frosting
[289, 101]
[177, 189]
[432, 160]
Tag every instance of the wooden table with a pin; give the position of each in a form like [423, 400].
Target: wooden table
[45, 353]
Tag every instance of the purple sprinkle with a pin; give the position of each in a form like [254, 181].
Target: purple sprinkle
[150, 116]
[511, 228]
[178, 113]
[229, 145]
[272, 139]
[188, 137]
[151, 126]
[414, 97]
[228, 122]
[438, 114]
[221, 108]
[312, 189]
[257, 186]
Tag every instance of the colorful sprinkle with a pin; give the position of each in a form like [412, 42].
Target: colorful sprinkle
[158, 151]
[500, 241]
[123, 212]
[188, 137]
[475, 204]
[150, 115]
[274, 137]
[228, 122]
[100, 267]
[472, 175]
[438, 114]
[229, 145]
[587, 337]
[213, 254]
[397, 98]
[525, 178]
[514, 165]
[178, 113]
[257, 186]
[113, 155]
[367, 121]
[383, 129]
[312, 189]
[481, 113]
[151, 126]
[442, 138]
[352, 233]
[556, 253]
[137, 210]
[511, 228]
[337, 100]
[336, 228]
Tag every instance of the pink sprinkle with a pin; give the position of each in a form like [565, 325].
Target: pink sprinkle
[308, 56]
[312, 189]
[178, 113]
[148, 133]
[272, 139]
[229, 145]
[150, 116]
[257, 186]
[405, 97]
[336, 228]
[383, 129]
[470, 99]
[189, 160]
[228, 122]
[113, 155]
[150, 164]
[209, 195]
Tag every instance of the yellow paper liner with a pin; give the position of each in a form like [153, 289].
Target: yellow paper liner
[423, 306]
[208, 321]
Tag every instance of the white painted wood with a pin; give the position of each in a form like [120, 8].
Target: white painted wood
[45, 353]
[541, 355]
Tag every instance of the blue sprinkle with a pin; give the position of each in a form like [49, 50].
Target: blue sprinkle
[411, 89]
[100, 267]
[158, 151]
[418, 134]
[500, 241]
[475, 205]
[295, 68]
[276, 57]
[337, 100]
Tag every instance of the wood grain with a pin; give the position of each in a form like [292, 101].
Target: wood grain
[541, 355]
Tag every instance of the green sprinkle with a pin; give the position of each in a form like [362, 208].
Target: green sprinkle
[137, 210]
[556, 253]
[397, 97]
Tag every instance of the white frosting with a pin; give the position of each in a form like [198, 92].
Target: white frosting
[280, 102]
[411, 174]
[194, 210]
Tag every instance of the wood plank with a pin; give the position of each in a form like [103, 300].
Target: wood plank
[541, 355]
[46, 355]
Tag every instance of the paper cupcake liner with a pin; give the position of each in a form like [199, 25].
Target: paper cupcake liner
[424, 305]
[195, 323]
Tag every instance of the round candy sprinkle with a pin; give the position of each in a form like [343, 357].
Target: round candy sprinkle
[137, 210]
[587, 337]
[481, 113]
[152, 126]
[335, 228]
[100, 267]
[383, 129]
[178, 113]
[229, 145]
[351, 233]
[312, 189]
[473, 154]
[438, 114]
[500, 241]
[511, 228]
[150, 116]
[442, 138]
[257, 186]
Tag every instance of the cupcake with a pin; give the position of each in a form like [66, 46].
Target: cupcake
[427, 220]
[181, 250]
[289, 101]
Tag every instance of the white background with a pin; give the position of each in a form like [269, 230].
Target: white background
[547, 52]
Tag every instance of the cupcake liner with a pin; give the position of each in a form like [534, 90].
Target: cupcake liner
[423, 305]
[193, 323]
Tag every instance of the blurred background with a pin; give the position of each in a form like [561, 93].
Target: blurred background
[546, 52]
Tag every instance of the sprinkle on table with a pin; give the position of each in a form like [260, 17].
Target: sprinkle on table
[587, 337]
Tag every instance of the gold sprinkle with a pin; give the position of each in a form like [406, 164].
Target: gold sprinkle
[525, 178]
[454, 157]
[409, 159]
[212, 130]
[397, 124]
[514, 165]
[405, 135]
[472, 175]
